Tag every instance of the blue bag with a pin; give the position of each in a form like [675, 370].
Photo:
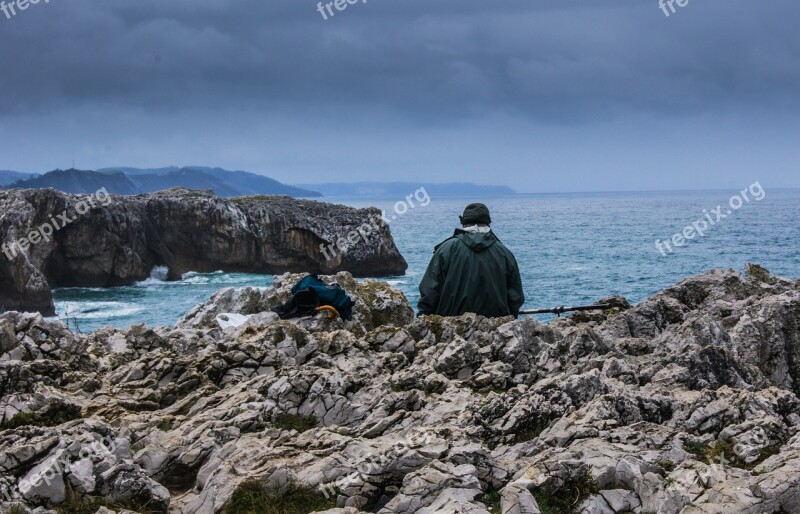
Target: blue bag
[328, 294]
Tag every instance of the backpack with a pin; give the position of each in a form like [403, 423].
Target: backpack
[310, 293]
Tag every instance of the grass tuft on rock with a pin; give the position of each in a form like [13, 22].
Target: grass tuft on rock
[81, 504]
[54, 416]
[698, 449]
[295, 422]
[77, 503]
[567, 498]
[667, 465]
[722, 453]
[254, 498]
[491, 499]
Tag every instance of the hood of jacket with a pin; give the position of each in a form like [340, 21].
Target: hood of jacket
[476, 241]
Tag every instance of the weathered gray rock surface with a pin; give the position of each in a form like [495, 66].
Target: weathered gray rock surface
[120, 241]
[686, 403]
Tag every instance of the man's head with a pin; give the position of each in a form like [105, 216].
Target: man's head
[475, 214]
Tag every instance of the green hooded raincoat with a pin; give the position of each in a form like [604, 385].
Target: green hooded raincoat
[472, 272]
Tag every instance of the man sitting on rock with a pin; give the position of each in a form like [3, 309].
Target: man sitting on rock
[472, 272]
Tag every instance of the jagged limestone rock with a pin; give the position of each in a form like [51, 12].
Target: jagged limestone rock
[685, 403]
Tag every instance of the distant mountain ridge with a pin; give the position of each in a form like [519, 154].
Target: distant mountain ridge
[79, 182]
[8, 177]
[148, 183]
[225, 183]
[131, 181]
[401, 189]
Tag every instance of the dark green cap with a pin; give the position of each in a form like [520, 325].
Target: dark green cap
[476, 214]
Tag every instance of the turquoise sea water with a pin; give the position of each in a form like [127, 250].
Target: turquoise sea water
[572, 248]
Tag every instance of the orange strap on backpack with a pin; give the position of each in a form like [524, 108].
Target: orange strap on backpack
[329, 309]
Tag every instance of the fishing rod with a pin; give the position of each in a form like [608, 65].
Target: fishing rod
[558, 311]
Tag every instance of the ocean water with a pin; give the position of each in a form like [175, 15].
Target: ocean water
[571, 248]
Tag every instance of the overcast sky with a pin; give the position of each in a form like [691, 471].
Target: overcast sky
[541, 95]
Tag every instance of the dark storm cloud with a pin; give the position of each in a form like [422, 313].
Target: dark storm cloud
[542, 95]
[564, 61]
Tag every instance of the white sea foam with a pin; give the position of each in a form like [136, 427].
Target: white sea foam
[193, 277]
[97, 310]
[159, 273]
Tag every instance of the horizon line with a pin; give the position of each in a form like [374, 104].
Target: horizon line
[515, 193]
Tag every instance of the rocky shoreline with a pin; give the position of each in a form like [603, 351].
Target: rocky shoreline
[82, 241]
[686, 403]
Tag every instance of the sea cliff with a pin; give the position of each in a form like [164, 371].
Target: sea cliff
[117, 240]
